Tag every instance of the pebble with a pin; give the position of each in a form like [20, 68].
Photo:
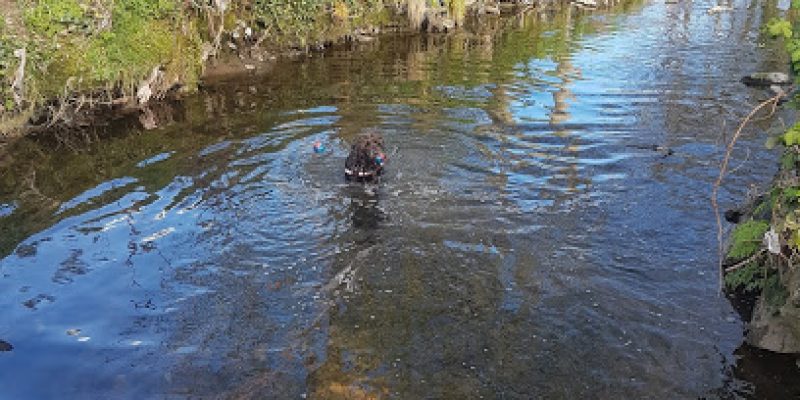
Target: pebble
[777, 90]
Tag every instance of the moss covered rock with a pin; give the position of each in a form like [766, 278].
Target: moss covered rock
[776, 319]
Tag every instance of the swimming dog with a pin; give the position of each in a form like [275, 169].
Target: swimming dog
[367, 157]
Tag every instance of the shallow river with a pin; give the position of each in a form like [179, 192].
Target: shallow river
[527, 240]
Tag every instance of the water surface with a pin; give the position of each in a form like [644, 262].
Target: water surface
[527, 240]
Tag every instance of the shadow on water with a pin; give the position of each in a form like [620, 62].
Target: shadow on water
[525, 240]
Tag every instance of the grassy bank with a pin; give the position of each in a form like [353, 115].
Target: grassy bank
[61, 57]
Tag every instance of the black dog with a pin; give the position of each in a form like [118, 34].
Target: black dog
[366, 158]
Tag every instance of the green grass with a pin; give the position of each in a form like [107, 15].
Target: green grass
[82, 57]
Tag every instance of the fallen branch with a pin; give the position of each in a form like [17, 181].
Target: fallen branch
[723, 171]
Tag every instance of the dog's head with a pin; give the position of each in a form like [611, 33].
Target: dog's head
[367, 157]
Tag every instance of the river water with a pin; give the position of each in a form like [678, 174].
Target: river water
[527, 240]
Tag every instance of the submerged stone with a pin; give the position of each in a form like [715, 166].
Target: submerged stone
[5, 346]
[767, 79]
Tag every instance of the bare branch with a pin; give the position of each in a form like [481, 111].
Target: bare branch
[773, 101]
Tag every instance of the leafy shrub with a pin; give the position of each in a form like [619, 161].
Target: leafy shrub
[291, 17]
[792, 136]
[778, 27]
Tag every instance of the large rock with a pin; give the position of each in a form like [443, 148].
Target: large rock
[776, 319]
[767, 79]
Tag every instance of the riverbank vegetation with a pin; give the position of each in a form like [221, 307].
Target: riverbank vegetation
[60, 58]
[764, 250]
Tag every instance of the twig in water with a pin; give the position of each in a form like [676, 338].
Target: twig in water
[723, 171]
[741, 164]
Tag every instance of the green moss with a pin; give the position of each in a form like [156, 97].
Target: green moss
[774, 293]
[792, 136]
[49, 17]
[98, 45]
[288, 17]
[148, 9]
[87, 54]
[779, 27]
[304, 21]
[748, 278]
[746, 239]
[7, 64]
[129, 51]
[764, 208]
[788, 160]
